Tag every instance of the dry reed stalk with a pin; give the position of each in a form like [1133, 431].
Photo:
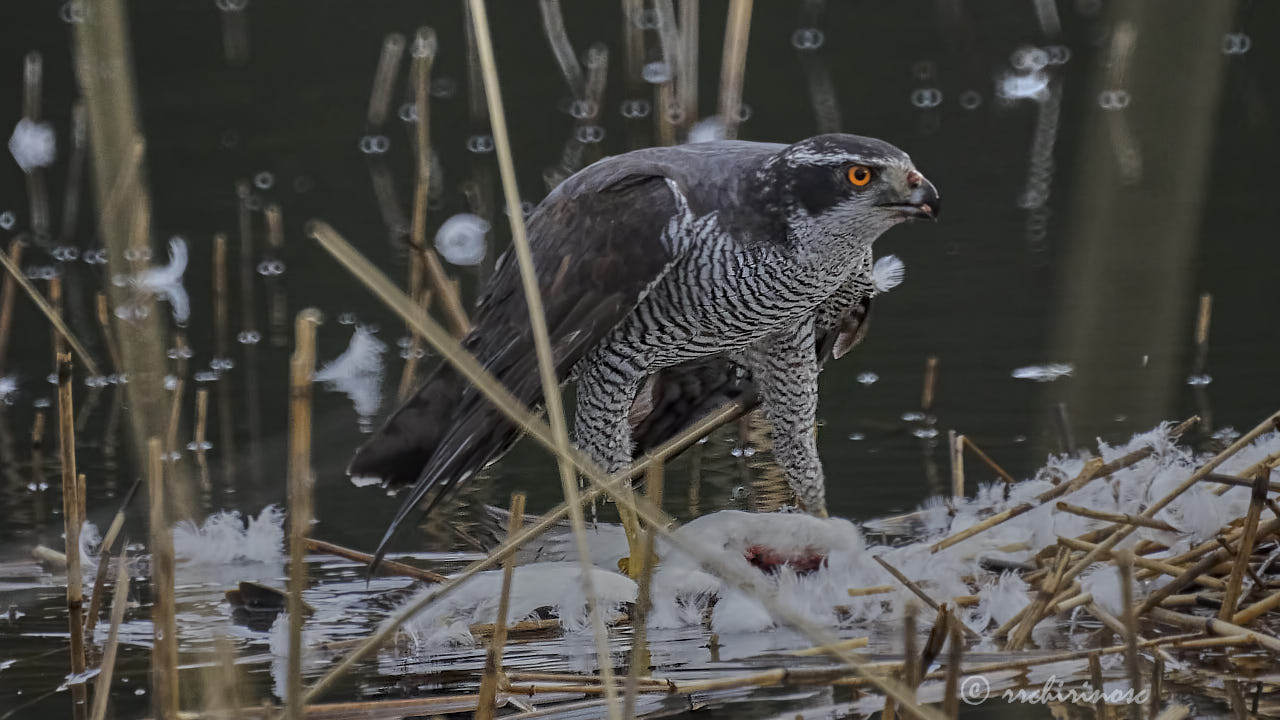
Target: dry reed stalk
[1203, 315]
[929, 384]
[1088, 474]
[956, 444]
[164, 656]
[221, 313]
[37, 190]
[489, 683]
[104, 554]
[8, 294]
[202, 420]
[454, 311]
[986, 459]
[75, 172]
[873, 590]
[542, 345]
[386, 567]
[384, 80]
[1066, 436]
[1095, 676]
[640, 659]
[1229, 481]
[561, 48]
[1213, 625]
[1115, 517]
[1129, 620]
[1257, 610]
[175, 419]
[1231, 595]
[119, 601]
[850, 644]
[72, 513]
[733, 64]
[495, 392]
[225, 680]
[278, 312]
[1156, 566]
[51, 314]
[1195, 571]
[104, 321]
[687, 79]
[1120, 531]
[951, 694]
[301, 367]
[1157, 685]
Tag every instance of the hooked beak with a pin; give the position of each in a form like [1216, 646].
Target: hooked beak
[922, 203]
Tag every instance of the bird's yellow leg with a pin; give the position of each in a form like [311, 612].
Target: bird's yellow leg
[630, 565]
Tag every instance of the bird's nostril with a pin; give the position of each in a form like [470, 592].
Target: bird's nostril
[914, 179]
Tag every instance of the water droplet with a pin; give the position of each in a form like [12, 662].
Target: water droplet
[443, 87]
[249, 337]
[582, 109]
[633, 109]
[221, 363]
[1199, 380]
[1058, 54]
[264, 180]
[867, 378]
[271, 268]
[7, 220]
[647, 19]
[807, 39]
[194, 446]
[589, 134]
[656, 72]
[375, 144]
[461, 239]
[1236, 43]
[1113, 99]
[409, 112]
[170, 382]
[913, 416]
[137, 254]
[925, 433]
[66, 253]
[206, 376]
[71, 12]
[480, 143]
[347, 318]
[970, 99]
[857, 436]
[1029, 59]
[926, 97]
[182, 352]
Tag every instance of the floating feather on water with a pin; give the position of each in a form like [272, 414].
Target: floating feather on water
[1044, 373]
[358, 372]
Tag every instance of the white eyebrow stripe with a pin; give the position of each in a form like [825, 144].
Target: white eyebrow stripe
[808, 157]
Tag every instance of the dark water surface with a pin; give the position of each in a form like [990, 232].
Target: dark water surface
[1080, 226]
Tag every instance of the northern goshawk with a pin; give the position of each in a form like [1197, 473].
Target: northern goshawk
[674, 279]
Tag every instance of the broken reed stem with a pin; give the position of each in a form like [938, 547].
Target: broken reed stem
[495, 392]
[537, 318]
[1214, 626]
[52, 315]
[221, 315]
[425, 258]
[37, 190]
[485, 707]
[1129, 621]
[119, 601]
[175, 419]
[1203, 315]
[733, 65]
[929, 384]
[278, 312]
[72, 512]
[987, 459]
[301, 367]
[1115, 517]
[1157, 685]
[8, 294]
[104, 554]
[561, 48]
[1095, 676]
[951, 694]
[202, 422]
[640, 659]
[386, 567]
[164, 656]
[1231, 595]
[1157, 566]
[956, 443]
[108, 337]
[1199, 568]
[384, 79]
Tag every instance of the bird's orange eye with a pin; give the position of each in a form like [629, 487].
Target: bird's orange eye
[859, 175]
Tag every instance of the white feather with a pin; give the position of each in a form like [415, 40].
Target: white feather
[888, 273]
